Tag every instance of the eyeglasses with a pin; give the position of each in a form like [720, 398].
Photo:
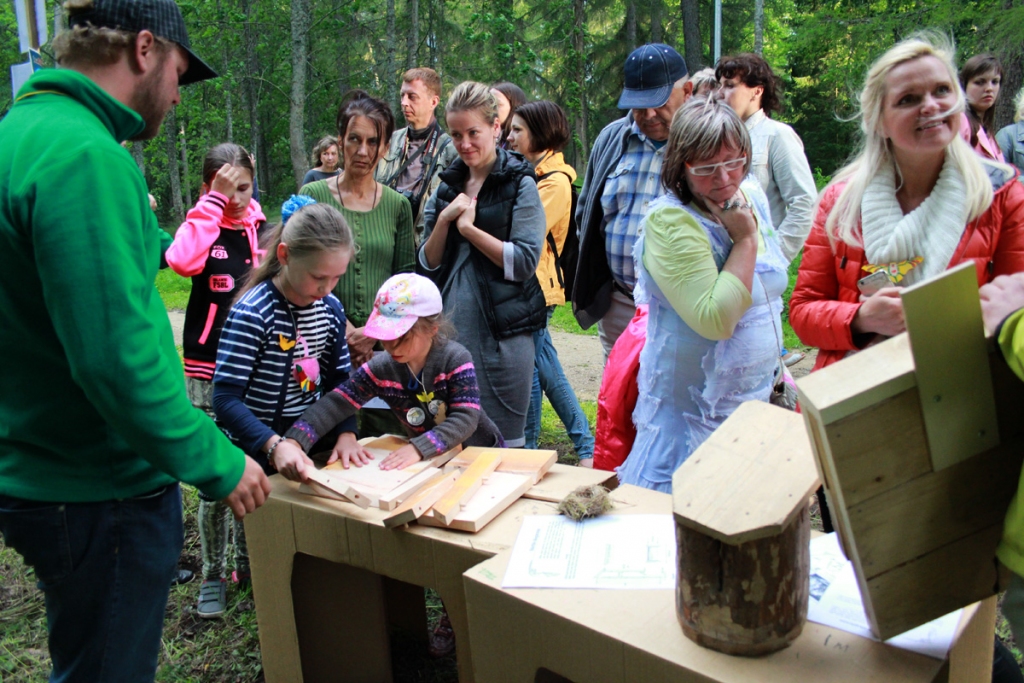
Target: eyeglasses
[731, 165]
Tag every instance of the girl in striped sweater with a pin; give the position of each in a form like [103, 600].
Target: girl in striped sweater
[282, 345]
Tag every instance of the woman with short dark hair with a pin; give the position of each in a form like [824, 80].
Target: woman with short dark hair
[752, 89]
[539, 131]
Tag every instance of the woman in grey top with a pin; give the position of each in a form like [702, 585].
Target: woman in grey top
[484, 230]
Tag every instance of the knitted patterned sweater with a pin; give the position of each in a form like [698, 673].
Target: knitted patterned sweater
[438, 410]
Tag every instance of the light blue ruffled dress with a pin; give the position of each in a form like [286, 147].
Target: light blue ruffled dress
[689, 384]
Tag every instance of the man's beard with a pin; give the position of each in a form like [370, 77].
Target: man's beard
[146, 102]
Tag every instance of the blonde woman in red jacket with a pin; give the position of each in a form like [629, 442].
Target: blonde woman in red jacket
[916, 201]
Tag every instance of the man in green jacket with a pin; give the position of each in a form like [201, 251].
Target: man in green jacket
[95, 427]
[1002, 306]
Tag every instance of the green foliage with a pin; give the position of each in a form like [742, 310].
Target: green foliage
[563, 320]
[173, 289]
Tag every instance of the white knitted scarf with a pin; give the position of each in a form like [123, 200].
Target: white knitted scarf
[932, 230]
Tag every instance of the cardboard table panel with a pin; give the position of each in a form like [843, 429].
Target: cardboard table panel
[622, 636]
[329, 579]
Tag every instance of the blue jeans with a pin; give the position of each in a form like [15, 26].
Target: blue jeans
[105, 571]
[549, 376]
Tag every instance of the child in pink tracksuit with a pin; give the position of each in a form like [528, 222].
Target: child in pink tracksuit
[217, 246]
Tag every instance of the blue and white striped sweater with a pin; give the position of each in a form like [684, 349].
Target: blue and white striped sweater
[256, 354]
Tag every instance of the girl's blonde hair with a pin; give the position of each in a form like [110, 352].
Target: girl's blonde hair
[311, 230]
[875, 155]
[1018, 106]
[473, 96]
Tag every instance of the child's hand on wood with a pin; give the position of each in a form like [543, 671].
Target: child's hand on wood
[401, 458]
[349, 451]
[289, 459]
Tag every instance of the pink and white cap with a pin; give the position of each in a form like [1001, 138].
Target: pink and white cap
[400, 302]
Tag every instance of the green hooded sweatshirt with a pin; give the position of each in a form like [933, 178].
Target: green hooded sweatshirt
[92, 391]
[1011, 549]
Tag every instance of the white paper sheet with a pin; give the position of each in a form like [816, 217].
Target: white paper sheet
[836, 601]
[613, 551]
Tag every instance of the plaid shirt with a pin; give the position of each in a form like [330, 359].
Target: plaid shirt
[631, 187]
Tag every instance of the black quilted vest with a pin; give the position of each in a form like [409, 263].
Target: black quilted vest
[510, 308]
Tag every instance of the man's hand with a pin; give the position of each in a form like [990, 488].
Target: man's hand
[250, 492]
[1000, 298]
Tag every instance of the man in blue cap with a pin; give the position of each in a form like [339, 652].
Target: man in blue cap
[97, 430]
[623, 177]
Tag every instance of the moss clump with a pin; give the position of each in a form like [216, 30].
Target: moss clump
[586, 501]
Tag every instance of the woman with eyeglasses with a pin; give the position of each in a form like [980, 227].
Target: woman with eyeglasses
[711, 269]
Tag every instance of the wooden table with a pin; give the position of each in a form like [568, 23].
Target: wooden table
[620, 636]
[329, 579]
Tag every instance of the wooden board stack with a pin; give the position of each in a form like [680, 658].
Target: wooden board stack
[919, 442]
[461, 489]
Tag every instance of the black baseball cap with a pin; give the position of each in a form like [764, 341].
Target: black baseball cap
[162, 18]
[651, 72]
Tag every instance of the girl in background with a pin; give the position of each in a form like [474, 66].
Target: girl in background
[217, 246]
[980, 78]
[507, 97]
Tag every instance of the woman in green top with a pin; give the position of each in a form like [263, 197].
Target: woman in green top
[380, 218]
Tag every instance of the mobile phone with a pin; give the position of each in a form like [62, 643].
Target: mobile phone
[869, 284]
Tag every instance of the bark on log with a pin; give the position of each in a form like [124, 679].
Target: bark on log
[748, 599]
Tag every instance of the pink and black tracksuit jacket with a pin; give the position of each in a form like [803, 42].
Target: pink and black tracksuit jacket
[217, 253]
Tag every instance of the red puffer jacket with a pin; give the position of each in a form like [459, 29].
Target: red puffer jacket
[826, 297]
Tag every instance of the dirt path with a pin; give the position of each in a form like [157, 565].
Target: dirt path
[581, 356]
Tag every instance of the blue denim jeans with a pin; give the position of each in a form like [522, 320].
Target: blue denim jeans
[549, 376]
[105, 571]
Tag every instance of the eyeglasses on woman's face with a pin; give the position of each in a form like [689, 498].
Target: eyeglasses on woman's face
[709, 169]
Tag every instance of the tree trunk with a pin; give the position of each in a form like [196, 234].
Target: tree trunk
[439, 25]
[631, 25]
[759, 26]
[186, 185]
[691, 35]
[748, 599]
[173, 169]
[656, 30]
[390, 82]
[301, 21]
[252, 94]
[579, 84]
[412, 40]
[137, 148]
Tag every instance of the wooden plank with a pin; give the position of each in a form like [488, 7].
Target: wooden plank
[928, 512]
[323, 481]
[513, 460]
[561, 480]
[417, 504]
[947, 340]
[495, 495]
[469, 481]
[393, 498]
[863, 444]
[719, 490]
[933, 585]
[970, 658]
[859, 381]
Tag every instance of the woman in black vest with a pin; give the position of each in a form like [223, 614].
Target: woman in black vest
[484, 233]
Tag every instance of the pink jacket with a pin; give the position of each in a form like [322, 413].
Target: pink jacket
[188, 253]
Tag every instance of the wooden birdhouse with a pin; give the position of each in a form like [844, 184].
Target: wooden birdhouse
[918, 442]
[743, 532]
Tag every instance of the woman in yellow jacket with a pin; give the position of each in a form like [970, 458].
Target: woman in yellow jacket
[539, 131]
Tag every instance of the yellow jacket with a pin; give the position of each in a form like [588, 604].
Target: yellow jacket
[556, 196]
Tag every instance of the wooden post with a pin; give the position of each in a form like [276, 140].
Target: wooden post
[743, 533]
[747, 599]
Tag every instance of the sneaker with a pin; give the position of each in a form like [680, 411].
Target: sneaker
[792, 358]
[442, 638]
[182, 576]
[213, 599]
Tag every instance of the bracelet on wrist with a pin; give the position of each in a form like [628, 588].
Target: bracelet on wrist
[270, 451]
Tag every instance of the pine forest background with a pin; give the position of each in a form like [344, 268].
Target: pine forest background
[284, 67]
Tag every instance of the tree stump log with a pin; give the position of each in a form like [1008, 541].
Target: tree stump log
[747, 599]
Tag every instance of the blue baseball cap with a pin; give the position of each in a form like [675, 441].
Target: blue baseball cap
[651, 72]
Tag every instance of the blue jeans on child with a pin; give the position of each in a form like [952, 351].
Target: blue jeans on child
[105, 571]
[549, 376]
